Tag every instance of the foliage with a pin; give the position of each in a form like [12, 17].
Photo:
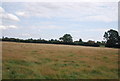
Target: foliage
[67, 38]
[113, 39]
[80, 40]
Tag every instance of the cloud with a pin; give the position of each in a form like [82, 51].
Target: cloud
[47, 25]
[98, 30]
[87, 11]
[1, 10]
[20, 13]
[25, 34]
[60, 1]
[91, 30]
[99, 18]
[3, 27]
[50, 26]
[8, 16]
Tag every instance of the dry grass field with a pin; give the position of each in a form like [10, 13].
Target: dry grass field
[50, 61]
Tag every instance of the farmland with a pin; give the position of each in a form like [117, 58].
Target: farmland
[51, 61]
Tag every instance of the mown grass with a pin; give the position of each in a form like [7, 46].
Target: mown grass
[46, 61]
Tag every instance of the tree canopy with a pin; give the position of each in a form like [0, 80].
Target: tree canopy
[67, 38]
[112, 38]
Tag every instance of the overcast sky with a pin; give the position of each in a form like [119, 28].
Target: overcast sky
[86, 20]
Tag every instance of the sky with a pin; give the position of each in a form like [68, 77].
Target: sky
[51, 20]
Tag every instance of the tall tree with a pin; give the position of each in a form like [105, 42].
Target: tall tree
[80, 40]
[67, 38]
[112, 38]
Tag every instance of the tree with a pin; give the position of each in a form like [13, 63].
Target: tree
[91, 42]
[67, 38]
[98, 42]
[80, 40]
[112, 38]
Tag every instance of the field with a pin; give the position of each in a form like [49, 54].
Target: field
[50, 61]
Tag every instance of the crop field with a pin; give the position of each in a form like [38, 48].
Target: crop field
[50, 61]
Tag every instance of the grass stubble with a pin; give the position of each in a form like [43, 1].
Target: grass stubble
[50, 61]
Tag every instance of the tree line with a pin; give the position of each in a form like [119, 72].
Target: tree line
[66, 39]
[112, 39]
